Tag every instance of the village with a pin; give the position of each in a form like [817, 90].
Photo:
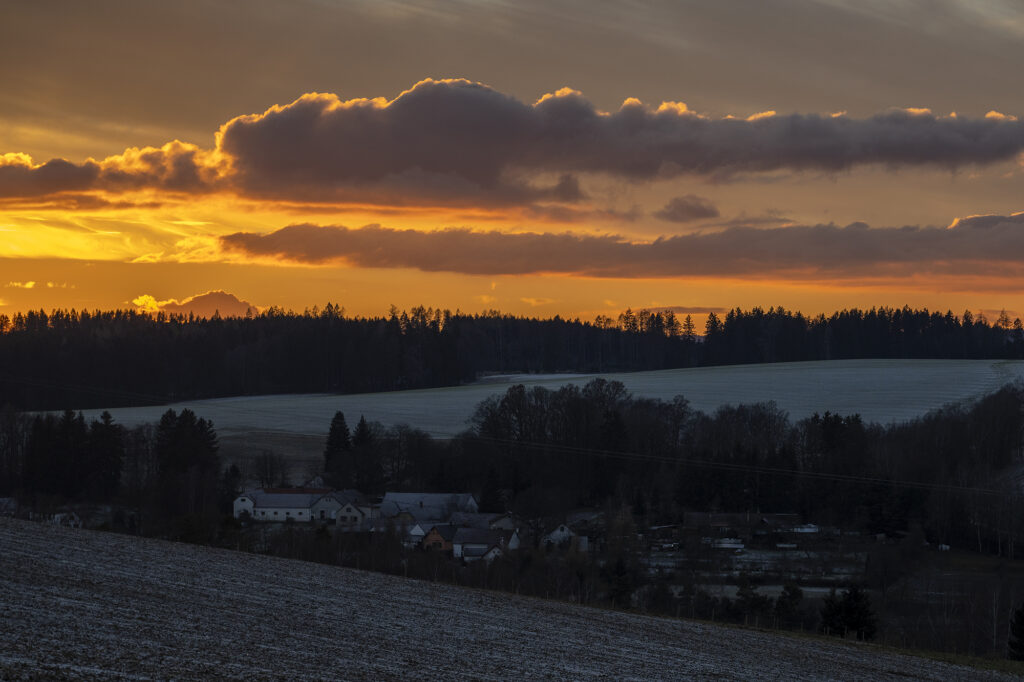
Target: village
[709, 548]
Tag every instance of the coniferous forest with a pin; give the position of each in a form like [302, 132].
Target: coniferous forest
[944, 479]
[79, 359]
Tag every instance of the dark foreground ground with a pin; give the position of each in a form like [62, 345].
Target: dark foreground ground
[88, 605]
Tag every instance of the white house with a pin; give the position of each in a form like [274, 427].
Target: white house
[244, 504]
[282, 504]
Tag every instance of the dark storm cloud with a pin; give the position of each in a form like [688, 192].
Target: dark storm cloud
[963, 248]
[687, 208]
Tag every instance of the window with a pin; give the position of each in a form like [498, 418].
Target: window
[275, 513]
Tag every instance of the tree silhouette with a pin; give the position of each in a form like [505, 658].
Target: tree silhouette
[368, 470]
[337, 452]
[1015, 645]
[850, 613]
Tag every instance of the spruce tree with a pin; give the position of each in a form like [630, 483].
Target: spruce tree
[858, 614]
[490, 498]
[368, 471]
[339, 443]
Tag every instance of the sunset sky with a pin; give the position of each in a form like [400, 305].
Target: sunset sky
[537, 157]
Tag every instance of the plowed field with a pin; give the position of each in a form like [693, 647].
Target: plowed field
[88, 605]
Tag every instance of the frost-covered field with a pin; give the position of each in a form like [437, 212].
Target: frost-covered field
[880, 390]
[89, 605]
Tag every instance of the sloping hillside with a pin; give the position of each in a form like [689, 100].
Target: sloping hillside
[880, 390]
[89, 605]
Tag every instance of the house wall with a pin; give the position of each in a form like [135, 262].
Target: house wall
[559, 535]
[243, 503]
[349, 515]
[458, 550]
[434, 540]
[326, 508]
[303, 514]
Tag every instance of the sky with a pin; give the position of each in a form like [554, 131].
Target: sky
[570, 157]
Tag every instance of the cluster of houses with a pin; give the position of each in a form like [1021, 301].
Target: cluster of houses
[446, 522]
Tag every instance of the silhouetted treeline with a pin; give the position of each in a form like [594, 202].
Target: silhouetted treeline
[951, 472]
[164, 479]
[69, 359]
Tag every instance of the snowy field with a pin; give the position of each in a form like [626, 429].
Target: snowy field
[880, 390]
[89, 605]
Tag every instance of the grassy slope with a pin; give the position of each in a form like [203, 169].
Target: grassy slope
[90, 605]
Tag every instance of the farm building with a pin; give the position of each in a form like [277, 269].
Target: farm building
[345, 507]
[473, 544]
[440, 537]
[563, 536]
[428, 506]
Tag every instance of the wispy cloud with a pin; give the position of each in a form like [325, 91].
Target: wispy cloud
[535, 302]
[692, 309]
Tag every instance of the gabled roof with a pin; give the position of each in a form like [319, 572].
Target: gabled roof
[584, 516]
[426, 506]
[471, 520]
[558, 528]
[446, 531]
[352, 496]
[285, 498]
[296, 491]
[479, 536]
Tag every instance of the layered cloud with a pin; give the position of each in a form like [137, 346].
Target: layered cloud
[978, 244]
[201, 305]
[446, 142]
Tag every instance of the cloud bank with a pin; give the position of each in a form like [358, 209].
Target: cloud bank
[968, 246]
[201, 305]
[460, 142]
